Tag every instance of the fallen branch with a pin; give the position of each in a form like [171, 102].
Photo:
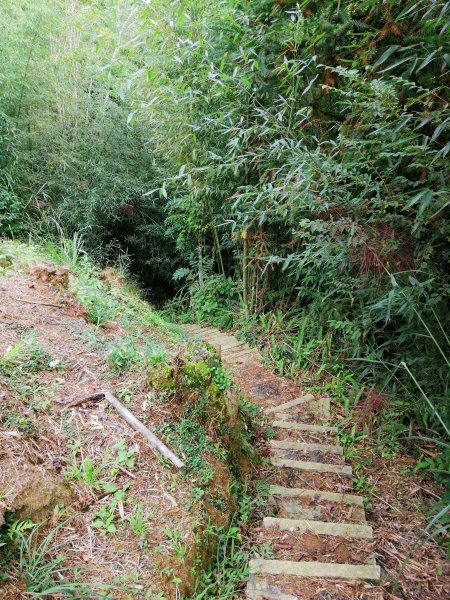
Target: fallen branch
[35, 303]
[154, 442]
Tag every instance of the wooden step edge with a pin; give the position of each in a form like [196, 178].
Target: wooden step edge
[347, 530]
[318, 467]
[278, 490]
[351, 572]
[306, 447]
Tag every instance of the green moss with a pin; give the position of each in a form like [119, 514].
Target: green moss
[161, 377]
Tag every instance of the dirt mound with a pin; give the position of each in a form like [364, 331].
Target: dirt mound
[29, 490]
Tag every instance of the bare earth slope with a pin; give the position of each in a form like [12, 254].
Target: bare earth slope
[127, 522]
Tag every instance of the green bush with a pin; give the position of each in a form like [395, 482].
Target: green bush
[214, 301]
[11, 214]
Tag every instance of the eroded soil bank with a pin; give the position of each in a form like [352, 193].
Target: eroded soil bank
[124, 521]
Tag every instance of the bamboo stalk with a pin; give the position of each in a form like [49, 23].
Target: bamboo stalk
[245, 268]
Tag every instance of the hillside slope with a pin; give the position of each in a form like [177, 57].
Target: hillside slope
[118, 518]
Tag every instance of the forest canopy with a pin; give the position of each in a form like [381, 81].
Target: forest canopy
[276, 166]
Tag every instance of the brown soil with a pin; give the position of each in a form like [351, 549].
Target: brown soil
[308, 437]
[302, 415]
[311, 480]
[320, 589]
[39, 429]
[287, 545]
[309, 456]
[335, 512]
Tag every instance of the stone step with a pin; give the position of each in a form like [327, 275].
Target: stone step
[314, 569]
[302, 446]
[348, 530]
[304, 427]
[278, 490]
[311, 466]
[290, 404]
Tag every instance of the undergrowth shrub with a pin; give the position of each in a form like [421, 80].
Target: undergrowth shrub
[11, 214]
[215, 300]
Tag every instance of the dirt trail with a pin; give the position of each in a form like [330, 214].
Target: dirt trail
[323, 547]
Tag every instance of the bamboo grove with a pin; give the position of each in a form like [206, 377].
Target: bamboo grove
[277, 166]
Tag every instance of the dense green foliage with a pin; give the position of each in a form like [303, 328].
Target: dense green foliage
[283, 164]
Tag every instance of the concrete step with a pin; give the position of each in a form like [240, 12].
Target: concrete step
[290, 404]
[277, 490]
[301, 446]
[347, 530]
[304, 427]
[315, 569]
[311, 466]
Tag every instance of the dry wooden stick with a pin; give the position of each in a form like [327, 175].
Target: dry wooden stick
[35, 302]
[154, 442]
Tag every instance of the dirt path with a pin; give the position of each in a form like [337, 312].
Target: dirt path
[322, 545]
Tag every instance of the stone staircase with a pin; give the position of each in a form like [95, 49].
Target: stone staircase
[322, 545]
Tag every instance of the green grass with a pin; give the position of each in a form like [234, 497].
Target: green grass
[40, 561]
